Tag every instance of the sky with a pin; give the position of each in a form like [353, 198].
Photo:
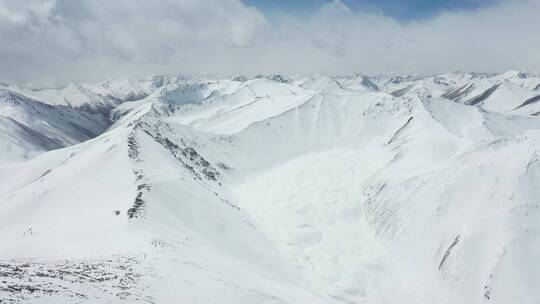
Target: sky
[58, 41]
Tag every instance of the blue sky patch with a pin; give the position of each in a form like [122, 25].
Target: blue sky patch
[403, 10]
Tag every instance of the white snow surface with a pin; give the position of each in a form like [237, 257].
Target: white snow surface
[301, 189]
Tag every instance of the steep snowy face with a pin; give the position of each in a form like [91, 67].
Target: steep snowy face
[20, 142]
[31, 126]
[377, 200]
[308, 189]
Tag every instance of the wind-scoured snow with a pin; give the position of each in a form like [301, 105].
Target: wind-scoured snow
[275, 189]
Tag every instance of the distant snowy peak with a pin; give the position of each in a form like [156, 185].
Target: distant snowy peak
[492, 92]
[214, 104]
[205, 101]
[94, 98]
[458, 86]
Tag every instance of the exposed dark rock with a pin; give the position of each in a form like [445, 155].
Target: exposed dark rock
[440, 81]
[485, 95]
[187, 156]
[368, 83]
[276, 77]
[448, 251]
[239, 78]
[528, 102]
[401, 92]
[133, 146]
[487, 293]
[456, 94]
[136, 210]
[400, 130]
[22, 281]
[223, 166]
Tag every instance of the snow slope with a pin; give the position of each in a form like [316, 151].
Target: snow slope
[21, 142]
[309, 189]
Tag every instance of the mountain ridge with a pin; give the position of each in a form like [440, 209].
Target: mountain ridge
[302, 189]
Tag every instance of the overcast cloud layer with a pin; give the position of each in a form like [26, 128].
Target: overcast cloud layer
[89, 40]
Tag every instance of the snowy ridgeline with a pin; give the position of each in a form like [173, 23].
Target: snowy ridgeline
[275, 189]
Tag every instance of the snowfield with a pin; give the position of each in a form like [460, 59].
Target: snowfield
[275, 189]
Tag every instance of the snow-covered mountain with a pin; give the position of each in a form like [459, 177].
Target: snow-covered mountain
[275, 189]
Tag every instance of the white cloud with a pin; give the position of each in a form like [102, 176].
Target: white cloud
[94, 39]
[29, 13]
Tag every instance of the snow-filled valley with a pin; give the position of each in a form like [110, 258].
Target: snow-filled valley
[272, 189]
